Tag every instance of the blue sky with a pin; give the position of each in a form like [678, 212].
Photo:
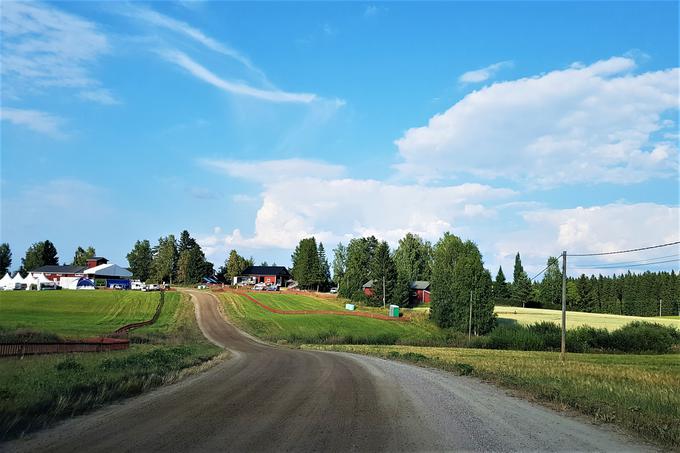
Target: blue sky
[530, 127]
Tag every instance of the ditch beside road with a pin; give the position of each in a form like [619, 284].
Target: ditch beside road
[269, 398]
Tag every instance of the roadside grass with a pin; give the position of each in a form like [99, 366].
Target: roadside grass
[640, 393]
[35, 391]
[312, 328]
[309, 301]
[79, 314]
[576, 319]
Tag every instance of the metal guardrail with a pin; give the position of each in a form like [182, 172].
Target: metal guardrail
[88, 345]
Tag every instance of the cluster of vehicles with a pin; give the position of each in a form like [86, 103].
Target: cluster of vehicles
[137, 285]
[265, 287]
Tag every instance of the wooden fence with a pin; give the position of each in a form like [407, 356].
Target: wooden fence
[86, 345]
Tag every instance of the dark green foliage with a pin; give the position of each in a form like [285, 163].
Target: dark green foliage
[70, 364]
[191, 263]
[413, 258]
[39, 254]
[140, 260]
[164, 260]
[458, 275]
[358, 268]
[307, 269]
[402, 294]
[5, 258]
[636, 337]
[521, 285]
[550, 289]
[501, 289]
[383, 274]
[339, 263]
[324, 268]
[234, 266]
[81, 255]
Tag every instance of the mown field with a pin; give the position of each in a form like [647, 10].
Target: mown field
[640, 393]
[312, 328]
[37, 390]
[575, 319]
[79, 314]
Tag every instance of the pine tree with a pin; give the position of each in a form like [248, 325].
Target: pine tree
[306, 266]
[81, 255]
[383, 274]
[39, 254]
[359, 258]
[140, 260]
[5, 258]
[339, 263]
[234, 266]
[501, 290]
[521, 285]
[325, 273]
[550, 288]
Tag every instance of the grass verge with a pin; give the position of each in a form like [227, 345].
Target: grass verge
[640, 393]
[35, 391]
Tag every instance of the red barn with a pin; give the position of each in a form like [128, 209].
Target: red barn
[270, 275]
[422, 291]
[368, 288]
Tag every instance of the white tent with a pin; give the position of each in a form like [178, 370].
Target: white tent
[44, 282]
[108, 270]
[6, 282]
[31, 280]
[17, 279]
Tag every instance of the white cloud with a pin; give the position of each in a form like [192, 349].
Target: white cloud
[298, 205]
[483, 74]
[160, 20]
[44, 47]
[617, 226]
[100, 95]
[273, 171]
[584, 124]
[238, 88]
[42, 122]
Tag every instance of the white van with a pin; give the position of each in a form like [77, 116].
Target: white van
[137, 285]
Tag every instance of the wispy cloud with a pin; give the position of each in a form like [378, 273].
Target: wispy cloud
[483, 74]
[42, 122]
[44, 47]
[160, 20]
[239, 88]
[100, 95]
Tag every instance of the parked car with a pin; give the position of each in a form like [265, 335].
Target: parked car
[201, 287]
[117, 286]
[272, 288]
[334, 290]
[153, 287]
[259, 287]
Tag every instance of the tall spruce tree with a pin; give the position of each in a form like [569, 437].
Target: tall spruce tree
[384, 275]
[140, 260]
[306, 267]
[501, 289]
[234, 266]
[5, 258]
[324, 269]
[550, 288]
[521, 285]
[339, 263]
[39, 254]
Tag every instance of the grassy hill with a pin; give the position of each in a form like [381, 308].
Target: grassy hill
[313, 328]
[80, 313]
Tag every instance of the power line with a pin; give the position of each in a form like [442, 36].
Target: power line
[545, 269]
[617, 266]
[624, 263]
[625, 251]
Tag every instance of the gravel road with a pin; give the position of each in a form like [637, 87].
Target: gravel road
[267, 398]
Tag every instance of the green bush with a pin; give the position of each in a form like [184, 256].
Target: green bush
[69, 364]
[645, 337]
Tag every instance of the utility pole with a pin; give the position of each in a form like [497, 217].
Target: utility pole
[564, 306]
[470, 321]
[660, 307]
[383, 290]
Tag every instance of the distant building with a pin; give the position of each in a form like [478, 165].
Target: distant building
[270, 275]
[98, 269]
[420, 290]
[56, 272]
[96, 261]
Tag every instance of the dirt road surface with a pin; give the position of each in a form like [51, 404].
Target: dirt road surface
[267, 398]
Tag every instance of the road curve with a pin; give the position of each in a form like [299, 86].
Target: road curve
[266, 398]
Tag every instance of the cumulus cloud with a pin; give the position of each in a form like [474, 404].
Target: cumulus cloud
[315, 201]
[42, 122]
[582, 124]
[483, 74]
[595, 229]
[44, 47]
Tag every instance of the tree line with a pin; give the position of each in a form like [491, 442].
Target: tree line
[41, 253]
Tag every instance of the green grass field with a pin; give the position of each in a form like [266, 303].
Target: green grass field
[81, 313]
[311, 328]
[575, 318]
[641, 393]
[37, 390]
